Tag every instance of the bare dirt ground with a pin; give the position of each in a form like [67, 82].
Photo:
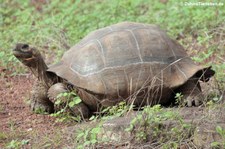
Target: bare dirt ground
[16, 119]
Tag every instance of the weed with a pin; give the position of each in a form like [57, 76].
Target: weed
[90, 136]
[150, 126]
[64, 104]
[179, 99]
[55, 27]
[16, 144]
[221, 144]
[87, 137]
[40, 111]
[116, 111]
[3, 136]
[11, 139]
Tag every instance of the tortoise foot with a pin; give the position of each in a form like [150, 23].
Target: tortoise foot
[80, 110]
[61, 102]
[193, 101]
[39, 100]
[42, 108]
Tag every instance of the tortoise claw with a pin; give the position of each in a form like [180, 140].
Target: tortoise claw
[193, 101]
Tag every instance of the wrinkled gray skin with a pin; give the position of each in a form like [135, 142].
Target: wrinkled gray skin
[48, 85]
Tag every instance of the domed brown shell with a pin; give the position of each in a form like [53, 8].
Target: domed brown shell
[120, 59]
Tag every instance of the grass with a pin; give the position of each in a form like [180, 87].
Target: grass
[148, 125]
[54, 26]
[13, 139]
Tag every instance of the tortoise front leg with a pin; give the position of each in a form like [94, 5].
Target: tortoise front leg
[39, 99]
[191, 92]
[77, 110]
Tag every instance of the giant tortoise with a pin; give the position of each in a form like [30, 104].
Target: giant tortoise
[133, 62]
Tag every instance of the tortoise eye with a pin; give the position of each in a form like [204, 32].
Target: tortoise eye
[25, 46]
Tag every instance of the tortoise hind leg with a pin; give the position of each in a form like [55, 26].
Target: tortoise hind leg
[191, 92]
[77, 110]
[39, 99]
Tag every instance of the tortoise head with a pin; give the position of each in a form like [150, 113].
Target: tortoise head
[29, 56]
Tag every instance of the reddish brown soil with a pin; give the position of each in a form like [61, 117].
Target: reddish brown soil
[16, 119]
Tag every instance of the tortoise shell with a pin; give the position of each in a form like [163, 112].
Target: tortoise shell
[118, 60]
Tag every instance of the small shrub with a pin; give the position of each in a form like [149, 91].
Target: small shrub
[221, 144]
[150, 125]
[87, 137]
[16, 144]
[64, 104]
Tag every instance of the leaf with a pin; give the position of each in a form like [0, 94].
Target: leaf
[2, 54]
[23, 142]
[215, 144]
[92, 118]
[106, 109]
[87, 143]
[95, 130]
[93, 136]
[80, 135]
[93, 141]
[220, 130]
[77, 100]
[57, 102]
[80, 146]
[65, 94]
[71, 104]
[129, 128]
[74, 94]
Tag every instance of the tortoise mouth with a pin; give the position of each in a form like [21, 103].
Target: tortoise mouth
[22, 51]
[21, 54]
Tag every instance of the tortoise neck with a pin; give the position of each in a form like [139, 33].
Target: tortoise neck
[40, 71]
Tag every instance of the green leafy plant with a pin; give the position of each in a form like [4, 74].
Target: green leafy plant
[110, 112]
[221, 144]
[179, 98]
[54, 28]
[203, 56]
[71, 99]
[64, 103]
[3, 136]
[149, 125]
[16, 144]
[118, 110]
[87, 137]
[40, 111]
